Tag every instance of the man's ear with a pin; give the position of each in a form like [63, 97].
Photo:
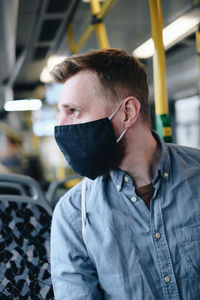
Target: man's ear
[131, 108]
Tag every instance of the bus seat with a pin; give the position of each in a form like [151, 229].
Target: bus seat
[58, 188]
[24, 244]
[12, 188]
[29, 190]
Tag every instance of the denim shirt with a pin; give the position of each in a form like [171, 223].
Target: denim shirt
[131, 252]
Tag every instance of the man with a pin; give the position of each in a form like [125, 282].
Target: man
[137, 233]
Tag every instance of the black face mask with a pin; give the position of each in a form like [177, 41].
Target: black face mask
[89, 148]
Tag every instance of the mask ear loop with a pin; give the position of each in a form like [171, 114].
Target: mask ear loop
[121, 135]
[111, 116]
[118, 107]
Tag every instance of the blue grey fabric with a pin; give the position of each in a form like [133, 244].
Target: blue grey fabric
[131, 252]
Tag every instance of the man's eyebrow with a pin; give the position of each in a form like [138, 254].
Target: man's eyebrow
[69, 104]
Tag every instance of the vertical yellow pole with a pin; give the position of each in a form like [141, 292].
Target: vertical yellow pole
[99, 26]
[102, 35]
[161, 102]
[95, 6]
[70, 38]
[198, 53]
[60, 170]
[35, 139]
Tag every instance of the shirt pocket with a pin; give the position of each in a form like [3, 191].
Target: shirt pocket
[191, 249]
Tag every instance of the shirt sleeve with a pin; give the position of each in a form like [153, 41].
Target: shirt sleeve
[73, 275]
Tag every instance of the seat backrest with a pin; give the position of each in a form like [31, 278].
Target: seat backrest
[24, 249]
[58, 188]
[10, 188]
[29, 190]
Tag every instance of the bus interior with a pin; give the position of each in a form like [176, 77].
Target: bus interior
[35, 35]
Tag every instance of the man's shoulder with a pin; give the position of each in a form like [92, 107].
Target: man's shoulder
[185, 150]
[190, 156]
[71, 200]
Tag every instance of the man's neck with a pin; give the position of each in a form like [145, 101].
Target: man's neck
[142, 157]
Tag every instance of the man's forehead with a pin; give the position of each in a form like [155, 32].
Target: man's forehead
[82, 77]
[84, 83]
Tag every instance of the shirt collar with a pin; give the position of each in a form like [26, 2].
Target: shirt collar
[163, 169]
[117, 176]
[164, 163]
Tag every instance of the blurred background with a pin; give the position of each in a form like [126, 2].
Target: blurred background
[37, 34]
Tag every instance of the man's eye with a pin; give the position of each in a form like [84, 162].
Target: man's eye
[73, 111]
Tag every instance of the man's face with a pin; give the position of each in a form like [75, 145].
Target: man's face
[80, 101]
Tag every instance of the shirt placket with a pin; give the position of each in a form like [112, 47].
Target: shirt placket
[163, 257]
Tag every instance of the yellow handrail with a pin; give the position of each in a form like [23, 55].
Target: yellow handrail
[198, 53]
[163, 124]
[98, 13]
[160, 91]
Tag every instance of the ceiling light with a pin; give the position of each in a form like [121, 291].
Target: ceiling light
[51, 63]
[172, 34]
[45, 76]
[23, 105]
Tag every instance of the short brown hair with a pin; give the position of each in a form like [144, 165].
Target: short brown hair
[120, 75]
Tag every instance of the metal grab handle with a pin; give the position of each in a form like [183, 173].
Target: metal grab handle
[14, 186]
[36, 196]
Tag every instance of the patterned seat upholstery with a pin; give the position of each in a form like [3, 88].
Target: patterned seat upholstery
[24, 251]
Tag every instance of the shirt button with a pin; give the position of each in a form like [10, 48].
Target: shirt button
[126, 178]
[166, 175]
[133, 199]
[157, 235]
[167, 279]
[118, 186]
